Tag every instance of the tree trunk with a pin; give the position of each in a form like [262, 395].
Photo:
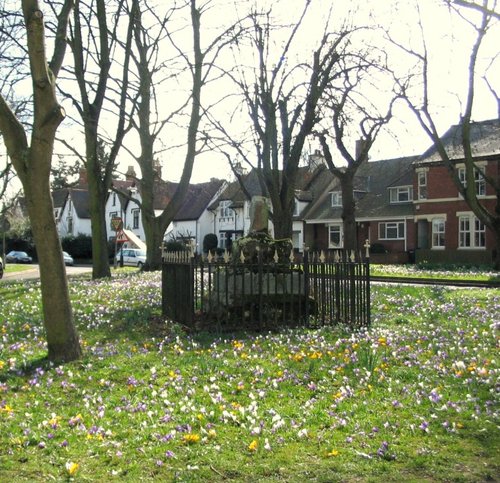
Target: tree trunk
[32, 163]
[98, 192]
[348, 212]
[282, 223]
[154, 235]
[62, 338]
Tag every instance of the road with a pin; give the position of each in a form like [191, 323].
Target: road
[33, 273]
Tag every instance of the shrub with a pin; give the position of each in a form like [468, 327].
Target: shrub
[210, 242]
[175, 246]
[79, 246]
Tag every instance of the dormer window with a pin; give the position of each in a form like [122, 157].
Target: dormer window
[225, 211]
[336, 198]
[401, 194]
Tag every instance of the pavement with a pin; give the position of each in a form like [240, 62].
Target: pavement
[32, 273]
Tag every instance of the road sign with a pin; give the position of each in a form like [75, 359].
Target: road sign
[116, 223]
[121, 237]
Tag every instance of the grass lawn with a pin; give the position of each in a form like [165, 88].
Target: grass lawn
[16, 267]
[415, 397]
[448, 273]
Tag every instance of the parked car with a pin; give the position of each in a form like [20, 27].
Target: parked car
[18, 257]
[132, 257]
[68, 259]
[1, 267]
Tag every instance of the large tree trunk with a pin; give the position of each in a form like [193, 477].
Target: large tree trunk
[32, 164]
[98, 192]
[62, 338]
[154, 232]
[282, 223]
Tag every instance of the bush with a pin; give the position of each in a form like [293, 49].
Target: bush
[175, 246]
[210, 242]
[79, 246]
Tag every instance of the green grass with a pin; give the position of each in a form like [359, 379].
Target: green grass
[444, 272]
[16, 267]
[411, 398]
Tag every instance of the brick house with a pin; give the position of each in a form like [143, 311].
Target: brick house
[446, 228]
[383, 191]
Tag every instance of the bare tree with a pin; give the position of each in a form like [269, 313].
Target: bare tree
[347, 103]
[149, 63]
[282, 99]
[92, 42]
[32, 160]
[422, 107]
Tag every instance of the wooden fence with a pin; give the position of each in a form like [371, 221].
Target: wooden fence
[231, 293]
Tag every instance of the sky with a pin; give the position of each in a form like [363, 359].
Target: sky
[448, 38]
[448, 41]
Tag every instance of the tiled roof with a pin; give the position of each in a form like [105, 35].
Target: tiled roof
[485, 141]
[371, 190]
[233, 192]
[59, 197]
[80, 199]
[197, 199]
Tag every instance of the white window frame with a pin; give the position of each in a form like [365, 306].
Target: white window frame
[471, 232]
[397, 192]
[224, 209]
[336, 199]
[385, 228]
[438, 233]
[338, 229]
[135, 218]
[422, 184]
[479, 180]
[222, 239]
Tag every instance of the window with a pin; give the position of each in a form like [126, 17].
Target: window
[70, 224]
[336, 197]
[335, 236]
[222, 239]
[114, 199]
[225, 211]
[296, 239]
[471, 232]
[478, 180]
[422, 185]
[391, 230]
[135, 219]
[112, 215]
[438, 225]
[401, 194]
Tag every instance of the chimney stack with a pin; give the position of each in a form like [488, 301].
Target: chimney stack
[83, 181]
[130, 174]
[360, 145]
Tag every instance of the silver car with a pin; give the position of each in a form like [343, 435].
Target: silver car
[132, 257]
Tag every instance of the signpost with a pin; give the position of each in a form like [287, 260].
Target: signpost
[117, 226]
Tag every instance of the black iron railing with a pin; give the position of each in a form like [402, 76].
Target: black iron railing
[232, 293]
